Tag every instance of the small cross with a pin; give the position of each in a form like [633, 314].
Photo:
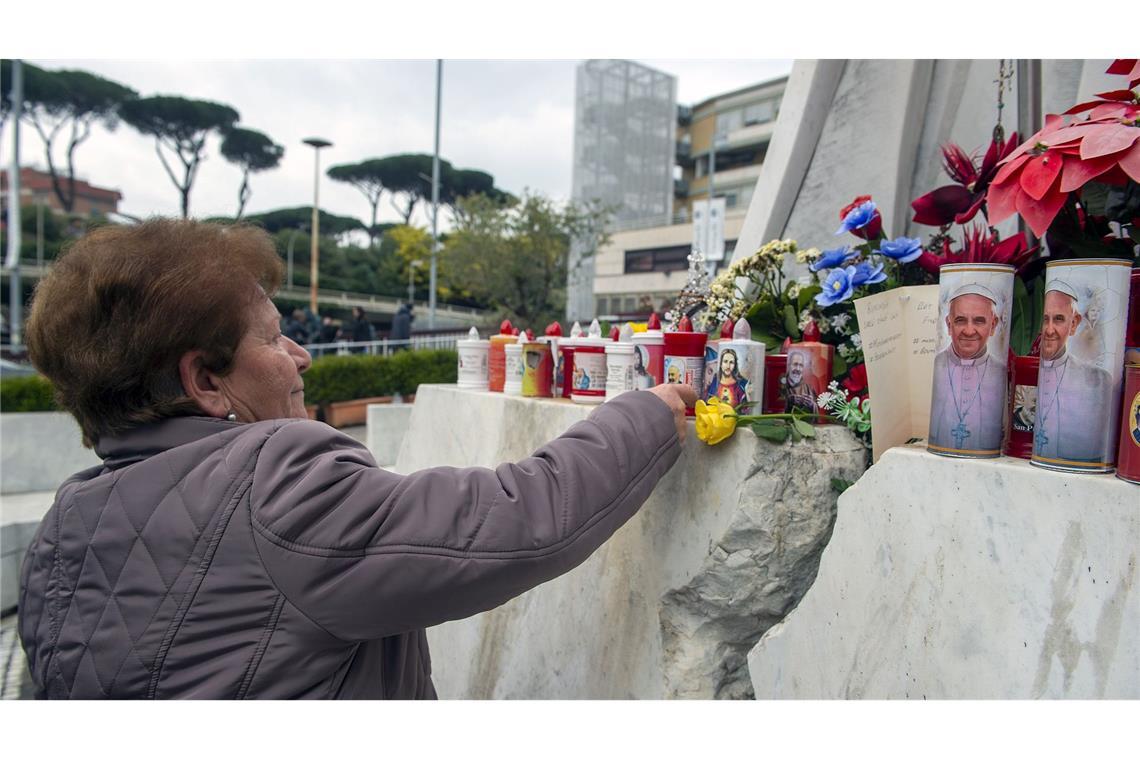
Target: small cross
[960, 434]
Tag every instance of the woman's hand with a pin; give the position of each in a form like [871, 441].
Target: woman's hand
[677, 396]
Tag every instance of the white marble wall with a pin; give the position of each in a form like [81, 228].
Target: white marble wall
[669, 607]
[876, 127]
[965, 579]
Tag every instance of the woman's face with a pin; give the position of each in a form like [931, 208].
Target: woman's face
[265, 382]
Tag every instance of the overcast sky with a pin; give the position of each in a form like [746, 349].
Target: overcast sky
[513, 119]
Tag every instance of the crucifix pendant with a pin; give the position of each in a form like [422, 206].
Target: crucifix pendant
[960, 434]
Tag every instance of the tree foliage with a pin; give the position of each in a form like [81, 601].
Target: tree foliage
[301, 218]
[252, 151]
[408, 176]
[514, 257]
[371, 178]
[66, 104]
[182, 126]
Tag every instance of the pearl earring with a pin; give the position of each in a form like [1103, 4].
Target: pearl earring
[231, 417]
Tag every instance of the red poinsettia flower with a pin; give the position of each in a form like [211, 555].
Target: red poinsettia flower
[962, 201]
[1035, 179]
[980, 246]
[873, 228]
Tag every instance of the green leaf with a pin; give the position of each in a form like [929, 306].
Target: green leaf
[772, 430]
[803, 428]
[807, 294]
[791, 322]
[1020, 337]
[1094, 197]
[838, 366]
[839, 485]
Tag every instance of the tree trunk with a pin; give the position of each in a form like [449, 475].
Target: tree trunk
[243, 195]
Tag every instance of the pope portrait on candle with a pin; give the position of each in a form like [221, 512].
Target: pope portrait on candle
[1071, 393]
[969, 394]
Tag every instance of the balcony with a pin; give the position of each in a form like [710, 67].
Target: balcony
[680, 188]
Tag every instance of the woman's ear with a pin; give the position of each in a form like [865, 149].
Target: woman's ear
[201, 385]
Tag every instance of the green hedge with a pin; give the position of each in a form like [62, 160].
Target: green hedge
[344, 378]
[27, 394]
[331, 378]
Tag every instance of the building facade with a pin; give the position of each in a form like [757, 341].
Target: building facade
[720, 147]
[624, 144]
[36, 187]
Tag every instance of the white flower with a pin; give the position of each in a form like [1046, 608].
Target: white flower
[839, 321]
[824, 400]
[857, 340]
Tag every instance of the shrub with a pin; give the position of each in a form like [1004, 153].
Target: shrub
[344, 378]
[27, 394]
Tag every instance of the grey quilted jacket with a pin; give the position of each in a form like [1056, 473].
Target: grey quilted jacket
[211, 559]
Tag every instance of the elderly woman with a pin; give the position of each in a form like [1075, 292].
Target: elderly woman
[228, 547]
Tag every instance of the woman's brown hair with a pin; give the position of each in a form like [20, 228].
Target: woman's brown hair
[118, 310]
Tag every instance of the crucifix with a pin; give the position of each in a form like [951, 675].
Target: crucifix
[960, 434]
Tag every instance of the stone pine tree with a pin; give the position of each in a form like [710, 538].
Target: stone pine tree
[408, 176]
[63, 107]
[181, 125]
[251, 151]
[458, 184]
[370, 178]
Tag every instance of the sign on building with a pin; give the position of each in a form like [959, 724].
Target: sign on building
[708, 228]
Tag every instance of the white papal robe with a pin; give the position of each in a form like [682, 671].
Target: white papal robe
[967, 406]
[1071, 401]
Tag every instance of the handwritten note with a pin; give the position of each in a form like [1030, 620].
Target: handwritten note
[900, 336]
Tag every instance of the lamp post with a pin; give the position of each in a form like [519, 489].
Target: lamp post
[315, 252]
[15, 294]
[435, 195]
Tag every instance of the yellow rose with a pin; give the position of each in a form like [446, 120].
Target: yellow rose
[715, 420]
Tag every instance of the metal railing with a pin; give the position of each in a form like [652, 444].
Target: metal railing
[385, 346]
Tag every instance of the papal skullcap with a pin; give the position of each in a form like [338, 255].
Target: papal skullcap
[971, 288]
[1062, 287]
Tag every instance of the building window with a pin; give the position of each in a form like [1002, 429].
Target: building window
[670, 259]
[762, 112]
[603, 306]
[729, 121]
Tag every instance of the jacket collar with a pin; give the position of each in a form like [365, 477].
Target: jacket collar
[153, 438]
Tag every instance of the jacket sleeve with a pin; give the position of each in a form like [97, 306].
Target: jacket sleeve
[367, 553]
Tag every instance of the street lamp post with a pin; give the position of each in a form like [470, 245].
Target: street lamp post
[315, 252]
[435, 196]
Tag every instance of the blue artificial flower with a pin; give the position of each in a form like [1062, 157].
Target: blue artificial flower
[833, 258]
[858, 217]
[902, 249]
[865, 274]
[838, 286]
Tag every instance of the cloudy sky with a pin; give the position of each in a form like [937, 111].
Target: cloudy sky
[514, 119]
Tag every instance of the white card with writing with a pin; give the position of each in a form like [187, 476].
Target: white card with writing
[899, 329]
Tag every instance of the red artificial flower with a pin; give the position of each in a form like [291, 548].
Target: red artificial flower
[856, 381]
[873, 228]
[980, 246]
[1035, 180]
[962, 201]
